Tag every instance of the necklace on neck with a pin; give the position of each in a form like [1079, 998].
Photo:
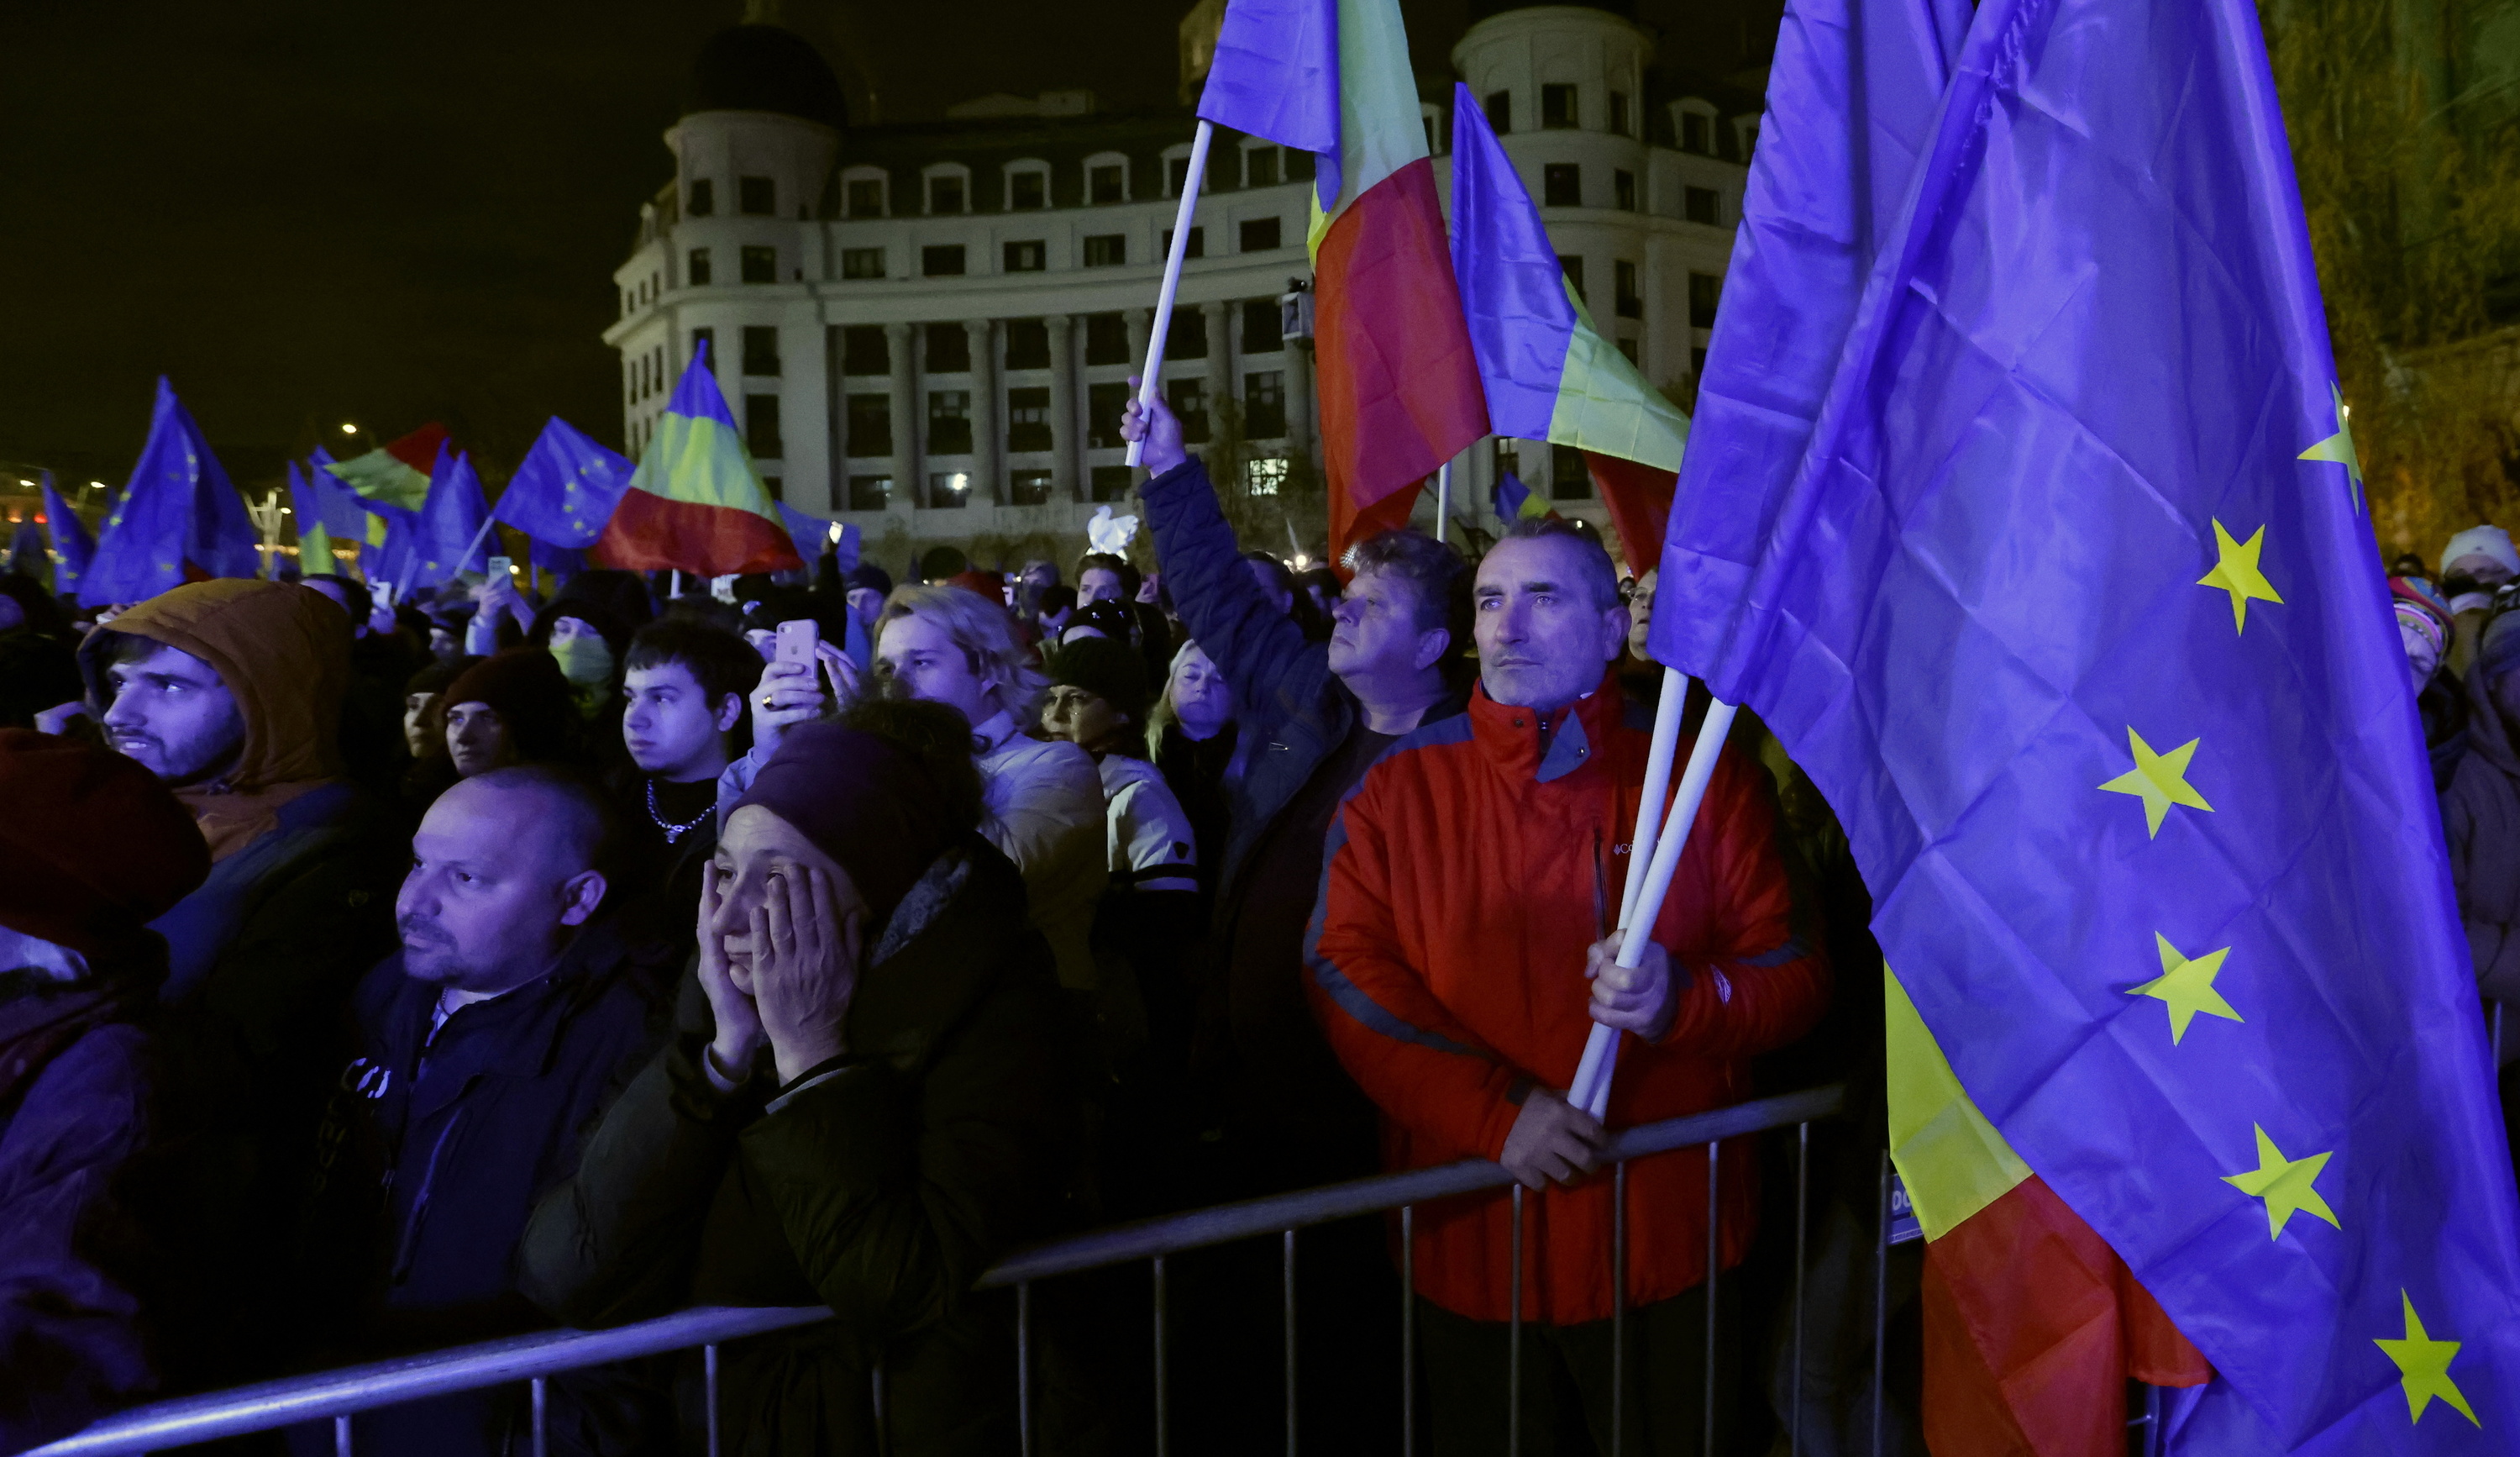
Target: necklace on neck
[674, 832]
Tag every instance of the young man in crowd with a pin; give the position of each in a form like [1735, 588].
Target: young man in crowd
[513, 707]
[229, 690]
[93, 847]
[1314, 714]
[1473, 877]
[684, 723]
[485, 1047]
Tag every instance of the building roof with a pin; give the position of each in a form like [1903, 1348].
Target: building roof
[764, 68]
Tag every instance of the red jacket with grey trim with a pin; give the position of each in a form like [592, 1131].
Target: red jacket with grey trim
[1446, 962]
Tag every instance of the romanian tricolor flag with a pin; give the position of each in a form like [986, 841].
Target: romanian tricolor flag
[1399, 384]
[696, 504]
[394, 476]
[1549, 375]
[2020, 504]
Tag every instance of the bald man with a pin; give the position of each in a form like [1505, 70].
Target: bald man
[487, 1044]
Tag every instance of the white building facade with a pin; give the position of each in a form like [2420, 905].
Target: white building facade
[927, 329]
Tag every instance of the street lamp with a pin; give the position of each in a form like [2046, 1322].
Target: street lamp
[348, 429]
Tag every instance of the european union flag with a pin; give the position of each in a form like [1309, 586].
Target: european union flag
[564, 491]
[179, 518]
[2068, 604]
[446, 535]
[810, 533]
[73, 546]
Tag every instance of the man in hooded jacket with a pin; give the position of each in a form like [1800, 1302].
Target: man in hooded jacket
[229, 690]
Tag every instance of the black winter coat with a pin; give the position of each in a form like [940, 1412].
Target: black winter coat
[882, 1186]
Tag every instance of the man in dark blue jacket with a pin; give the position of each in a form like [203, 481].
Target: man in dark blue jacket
[487, 1047]
[1316, 714]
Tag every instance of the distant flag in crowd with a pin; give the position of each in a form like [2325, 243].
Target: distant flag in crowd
[2178, 978]
[810, 533]
[1514, 501]
[27, 547]
[327, 514]
[73, 546]
[696, 504]
[446, 537]
[394, 476]
[179, 520]
[559, 561]
[1549, 375]
[565, 490]
[1397, 380]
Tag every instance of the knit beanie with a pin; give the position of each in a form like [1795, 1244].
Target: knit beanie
[93, 847]
[1110, 671]
[862, 800]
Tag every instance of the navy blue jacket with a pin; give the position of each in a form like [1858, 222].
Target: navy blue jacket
[428, 1166]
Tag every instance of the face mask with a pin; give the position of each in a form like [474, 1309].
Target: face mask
[583, 661]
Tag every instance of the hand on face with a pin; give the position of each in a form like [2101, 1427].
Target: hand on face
[803, 969]
[740, 1037]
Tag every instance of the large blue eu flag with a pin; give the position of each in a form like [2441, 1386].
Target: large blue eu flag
[2068, 603]
[179, 520]
[564, 491]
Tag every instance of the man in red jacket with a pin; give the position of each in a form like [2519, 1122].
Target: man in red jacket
[1458, 930]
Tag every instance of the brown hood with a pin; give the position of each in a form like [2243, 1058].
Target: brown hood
[285, 651]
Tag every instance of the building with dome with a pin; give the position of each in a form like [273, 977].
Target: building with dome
[926, 328]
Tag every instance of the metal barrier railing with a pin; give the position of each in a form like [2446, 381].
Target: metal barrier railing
[338, 1395]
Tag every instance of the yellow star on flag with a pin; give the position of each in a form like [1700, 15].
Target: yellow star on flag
[2236, 573]
[2338, 449]
[2284, 1184]
[2159, 778]
[2186, 986]
[2423, 1367]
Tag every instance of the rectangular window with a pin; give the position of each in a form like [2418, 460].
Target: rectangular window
[1705, 291]
[1028, 256]
[761, 426]
[761, 349]
[1702, 204]
[1619, 112]
[949, 490]
[1623, 191]
[1698, 363]
[1557, 108]
[941, 260]
[703, 197]
[870, 492]
[861, 263]
[777, 487]
[1028, 420]
[1188, 338]
[1112, 482]
[1627, 346]
[1027, 192]
[1106, 250]
[1264, 475]
[1630, 303]
[1500, 108]
[1262, 325]
[1698, 133]
[1027, 344]
[696, 268]
[865, 196]
[1109, 183]
[1102, 406]
[1259, 233]
[1195, 248]
[1264, 405]
[864, 350]
[706, 339]
[756, 196]
[1106, 339]
[1028, 488]
[1572, 265]
[1260, 166]
[949, 422]
[870, 425]
[1569, 479]
[944, 195]
[949, 349]
[1176, 176]
[1189, 401]
[1561, 185]
[760, 265]
[1508, 459]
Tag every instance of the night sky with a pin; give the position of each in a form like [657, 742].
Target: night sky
[305, 213]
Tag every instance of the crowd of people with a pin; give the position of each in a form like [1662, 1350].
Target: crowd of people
[381, 979]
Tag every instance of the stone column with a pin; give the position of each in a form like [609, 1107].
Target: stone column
[1220, 366]
[1066, 482]
[988, 443]
[836, 417]
[908, 490]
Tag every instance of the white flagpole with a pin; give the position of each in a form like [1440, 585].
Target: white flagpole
[487, 522]
[1152, 380]
[1591, 1089]
[1443, 499]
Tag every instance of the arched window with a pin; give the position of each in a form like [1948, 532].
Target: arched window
[1027, 185]
[863, 192]
[1106, 178]
[948, 187]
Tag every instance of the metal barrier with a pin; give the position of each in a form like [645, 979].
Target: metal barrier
[337, 1395]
